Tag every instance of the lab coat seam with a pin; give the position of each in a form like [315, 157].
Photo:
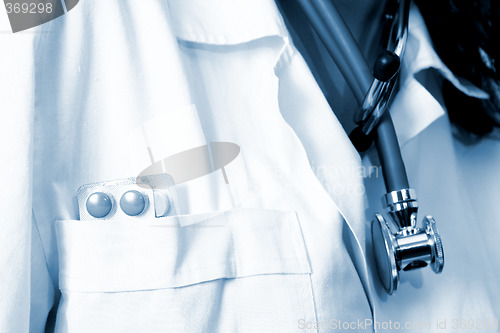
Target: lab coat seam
[43, 249]
[221, 40]
[299, 243]
[234, 258]
[210, 216]
[313, 300]
[304, 261]
[207, 46]
[293, 263]
[363, 271]
[295, 269]
[307, 286]
[36, 45]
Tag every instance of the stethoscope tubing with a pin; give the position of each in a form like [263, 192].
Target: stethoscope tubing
[330, 26]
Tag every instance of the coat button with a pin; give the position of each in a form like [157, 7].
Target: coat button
[99, 204]
[132, 203]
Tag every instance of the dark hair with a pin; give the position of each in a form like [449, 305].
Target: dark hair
[466, 35]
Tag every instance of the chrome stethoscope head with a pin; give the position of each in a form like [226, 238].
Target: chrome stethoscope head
[409, 247]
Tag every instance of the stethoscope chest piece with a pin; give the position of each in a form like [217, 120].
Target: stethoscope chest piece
[407, 249]
[385, 253]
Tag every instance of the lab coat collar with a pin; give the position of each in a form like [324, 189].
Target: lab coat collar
[414, 107]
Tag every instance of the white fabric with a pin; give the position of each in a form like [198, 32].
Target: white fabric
[147, 275]
[16, 148]
[255, 118]
[91, 94]
[160, 253]
[482, 160]
[108, 70]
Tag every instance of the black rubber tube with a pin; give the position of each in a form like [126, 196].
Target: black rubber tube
[340, 43]
[393, 168]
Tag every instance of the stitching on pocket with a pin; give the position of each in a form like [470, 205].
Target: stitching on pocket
[282, 251]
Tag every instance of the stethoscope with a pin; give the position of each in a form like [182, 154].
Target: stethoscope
[399, 244]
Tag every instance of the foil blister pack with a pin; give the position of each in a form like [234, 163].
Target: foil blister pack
[149, 196]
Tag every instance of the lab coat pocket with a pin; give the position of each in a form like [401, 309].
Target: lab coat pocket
[242, 270]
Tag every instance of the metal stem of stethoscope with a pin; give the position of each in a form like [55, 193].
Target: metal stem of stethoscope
[409, 247]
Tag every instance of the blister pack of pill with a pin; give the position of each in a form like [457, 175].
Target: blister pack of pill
[141, 197]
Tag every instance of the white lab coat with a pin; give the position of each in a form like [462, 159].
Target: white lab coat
[280, 248]
[110, 79]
